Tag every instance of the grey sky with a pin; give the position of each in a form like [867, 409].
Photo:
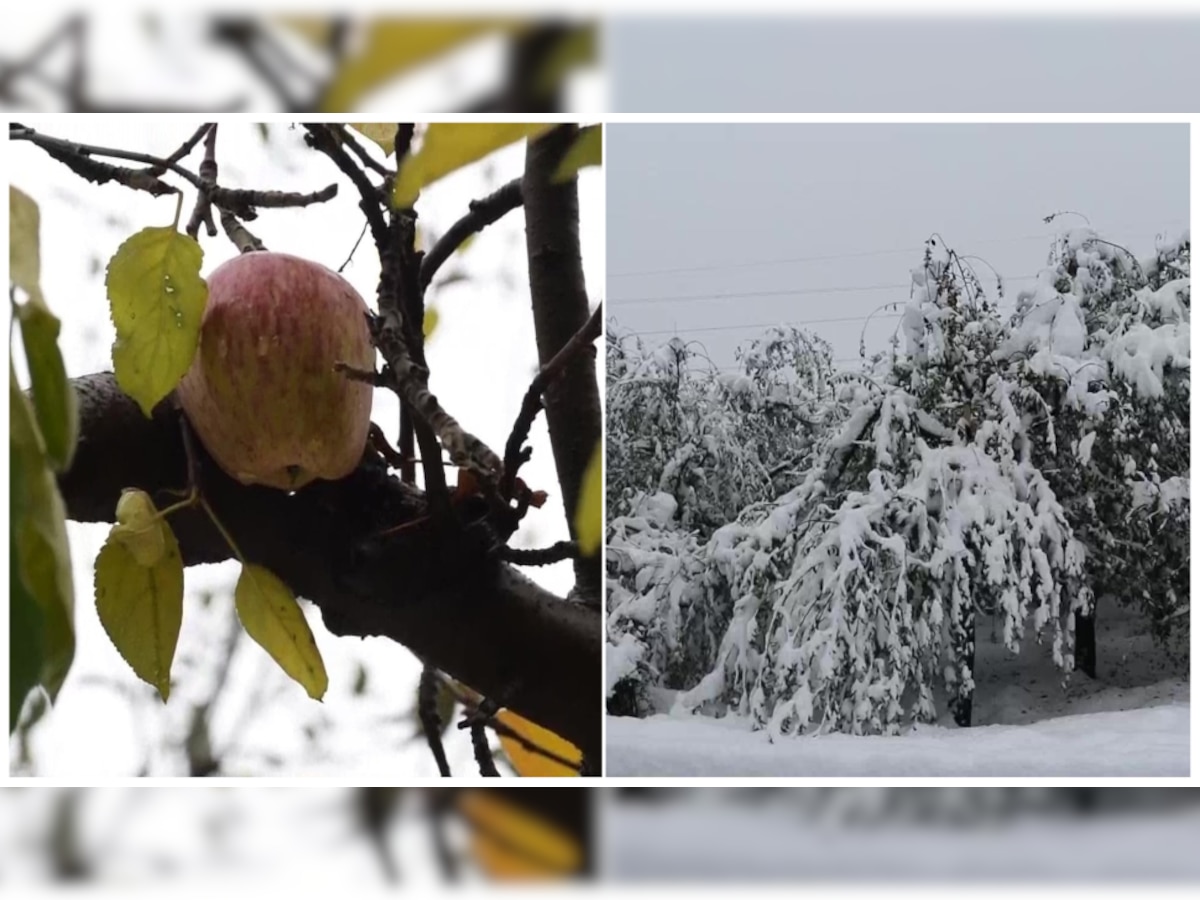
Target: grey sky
[688, 196]
[874, 64]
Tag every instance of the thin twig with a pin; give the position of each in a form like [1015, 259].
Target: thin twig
[375, 379]
[185, 148]
[431, 722]
[41, 51]
[321, 139]
[349, 139]
[482, 213]
[63, 150]
[353, 249]
[246, 37]
[244, 203]
[244, 239]
[377, 440]
[208, 175]
[483, 752]
[447, 861]
[532, 403]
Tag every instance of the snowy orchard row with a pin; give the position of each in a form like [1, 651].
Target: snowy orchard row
[811, 548]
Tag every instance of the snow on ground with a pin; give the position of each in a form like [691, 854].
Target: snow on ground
[1132, 720]
[1141, 742]
[686, 842]
[1132, 673]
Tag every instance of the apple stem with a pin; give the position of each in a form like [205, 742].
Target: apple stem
[221, 528]
[178, 210]
[189, 500]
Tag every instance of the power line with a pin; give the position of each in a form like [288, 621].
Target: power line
[766, 262]
[767, 324]
[821, 258]
[832, 256]
[839, 359]
[789, 292]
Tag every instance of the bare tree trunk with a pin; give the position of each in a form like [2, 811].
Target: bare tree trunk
[560, 308]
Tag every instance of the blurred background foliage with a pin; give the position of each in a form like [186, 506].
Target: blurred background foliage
[190, 60]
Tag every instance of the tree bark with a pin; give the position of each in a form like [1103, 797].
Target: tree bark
[439, 592]
[1085, 641]
[963, 638]
[560, 308]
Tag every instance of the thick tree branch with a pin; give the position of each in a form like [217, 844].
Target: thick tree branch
[449, 601]
[560, 309]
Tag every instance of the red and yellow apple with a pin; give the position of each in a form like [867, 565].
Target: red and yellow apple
[262, 393]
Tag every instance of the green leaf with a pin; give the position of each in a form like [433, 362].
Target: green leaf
[141, 606]
[157, 298]
[448, 147]
[586, 151]
[42, 557]
[391, 47]
[54, 400]
[26, 640]
[589, 519]
[24, 248]
[272, 617]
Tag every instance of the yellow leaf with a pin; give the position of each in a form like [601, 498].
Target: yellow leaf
[38, 519]
[382, 133]
[576, 49]
[586, 151]
[513, 843]
[589, 511]
[272, 617]
[140, 528]
[448, 146]
[314, 29]
[394, 45]
[530, 763]
[140, 605]
[24, 252]
[157, 299]
[431, 321]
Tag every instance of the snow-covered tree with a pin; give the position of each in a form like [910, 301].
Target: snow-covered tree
[1015, 469]
[687, 450]
[924, 510]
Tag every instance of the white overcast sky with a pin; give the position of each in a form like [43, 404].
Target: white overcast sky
[905, 63]
[482, 358]
[711, 202]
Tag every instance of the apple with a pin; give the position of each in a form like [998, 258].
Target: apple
[262, 393]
